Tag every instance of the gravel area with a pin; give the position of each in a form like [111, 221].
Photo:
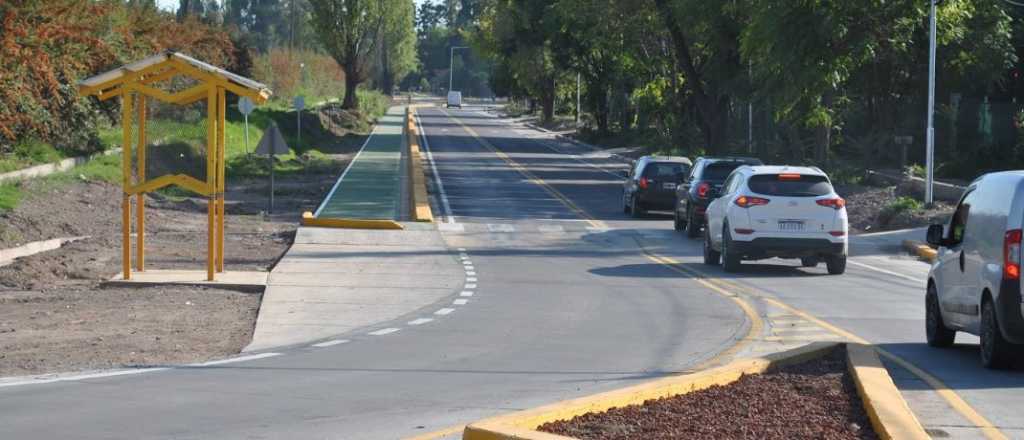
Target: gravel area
[812, 400]
[867, 209]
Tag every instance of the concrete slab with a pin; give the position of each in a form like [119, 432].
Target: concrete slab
[247, 281]
[337, 281]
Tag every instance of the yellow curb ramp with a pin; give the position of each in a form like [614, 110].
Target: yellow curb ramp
[419, 202]
[889, 413]
[922, 251]
[348, 223]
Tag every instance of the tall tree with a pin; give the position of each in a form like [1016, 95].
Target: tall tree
[398, 43]
[350, 31]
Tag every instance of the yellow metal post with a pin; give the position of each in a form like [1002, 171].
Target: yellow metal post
[140, 201]
[211, 143]
[126, 179]
[221, 117]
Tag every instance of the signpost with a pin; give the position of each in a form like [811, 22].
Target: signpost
[271, 144]
[299, 103]
[246, 106]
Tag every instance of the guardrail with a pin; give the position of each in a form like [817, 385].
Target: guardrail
[419, 203]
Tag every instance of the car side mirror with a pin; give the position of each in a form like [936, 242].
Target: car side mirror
[934, 236]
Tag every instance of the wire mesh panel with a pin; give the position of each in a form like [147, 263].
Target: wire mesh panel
[176, 134]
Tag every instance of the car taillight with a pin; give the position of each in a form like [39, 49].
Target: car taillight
[643, 183]
[746, 201]
[837, 233]
[837, 203]
[1011, 255]
[702, 190]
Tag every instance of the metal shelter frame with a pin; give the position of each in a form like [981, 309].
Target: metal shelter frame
[136, 82]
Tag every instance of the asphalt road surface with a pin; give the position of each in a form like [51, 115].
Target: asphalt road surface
[568, 296]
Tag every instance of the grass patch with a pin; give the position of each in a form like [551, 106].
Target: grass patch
[10, 195]
[899, 206]
[29, 153]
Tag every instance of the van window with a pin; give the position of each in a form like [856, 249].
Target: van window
[958, 224]
[664, 170]
[802, 185]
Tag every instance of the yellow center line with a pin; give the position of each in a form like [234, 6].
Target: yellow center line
[726, 289]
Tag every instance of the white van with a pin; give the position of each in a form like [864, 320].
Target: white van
[454, 99]
[974, 284]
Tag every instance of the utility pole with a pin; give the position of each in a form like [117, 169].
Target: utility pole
[750, 112]
[929, 196]
[577, 100]
[451, 64]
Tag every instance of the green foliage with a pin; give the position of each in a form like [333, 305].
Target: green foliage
[901, 205]
[10, 195]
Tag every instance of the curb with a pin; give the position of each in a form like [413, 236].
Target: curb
[419, 201]
[889, 413]
[922, 251]
[348, 223]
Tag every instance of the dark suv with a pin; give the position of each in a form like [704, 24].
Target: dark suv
[651, 183]
[695, 192]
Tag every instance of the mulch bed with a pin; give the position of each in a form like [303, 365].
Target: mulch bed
[814, 400]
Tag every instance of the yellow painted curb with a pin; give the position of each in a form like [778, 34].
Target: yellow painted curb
[348, 223]
[521, 425]
[419, 200]
[889, 413]
[923, 251]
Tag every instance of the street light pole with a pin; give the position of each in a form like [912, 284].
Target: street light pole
[929, 195]
[577, 100]
[451, 64]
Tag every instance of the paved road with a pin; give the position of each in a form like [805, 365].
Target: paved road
[563, 302]
[557, 310]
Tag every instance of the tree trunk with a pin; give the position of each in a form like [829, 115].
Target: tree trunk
[351, 101]
[387, 81]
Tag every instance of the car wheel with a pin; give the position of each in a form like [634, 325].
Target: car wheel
[677, 224]
[937, 333]
[711, 256]
[692, 225]
[836, 264]
[995, 351]
[636, 208]
[730, 261]
[809, 261]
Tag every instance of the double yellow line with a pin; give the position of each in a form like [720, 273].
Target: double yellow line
[729, 289]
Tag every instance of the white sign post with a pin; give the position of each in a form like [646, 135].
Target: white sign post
[299, 103]
[246, 106]
[271, 144]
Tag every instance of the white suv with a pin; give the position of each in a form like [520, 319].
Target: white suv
[777, 211]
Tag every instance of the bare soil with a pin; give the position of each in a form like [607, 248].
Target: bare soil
[816, 399]
[55, 315]
[867, 209]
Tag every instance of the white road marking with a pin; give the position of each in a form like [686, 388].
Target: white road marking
[462, 249]
[460, 302]
[384, 331]
[551, 228]
[470, 273]
[344, 173]
[467, 263]
[444, 311]
[470, 286]
[470, 268]
[330, 343]
[466, 293]
[471, 279]
[251, 357]
[500, 227]
[420, 321]
[449, 218]
[51, 378]
[451, 227]
[887, 272]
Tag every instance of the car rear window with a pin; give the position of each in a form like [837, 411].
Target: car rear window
[665, 169]
[718, 171]
[790, 185]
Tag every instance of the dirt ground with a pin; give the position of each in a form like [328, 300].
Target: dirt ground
[55, 315]
[816, 399]
[866, 205]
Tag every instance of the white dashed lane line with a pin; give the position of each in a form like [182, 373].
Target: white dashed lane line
[466, 293]
[420, 321]
[384, 331]
[470, 286]
[444, 311]
[460, 302]
[330, 343]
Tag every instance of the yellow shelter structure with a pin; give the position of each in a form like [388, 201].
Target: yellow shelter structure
[139, 81]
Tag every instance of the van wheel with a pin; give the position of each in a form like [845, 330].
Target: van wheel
[711, 256]
[836, 264]
[995, 351]
[636, 208]
[677, 224]
[809, 261]
[730, 261]
[692, 225]
[937, 333]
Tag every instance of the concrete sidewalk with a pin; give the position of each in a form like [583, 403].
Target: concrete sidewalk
[335, 281]
[371, 186]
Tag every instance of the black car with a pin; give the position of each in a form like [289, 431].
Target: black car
[697, 190]
[651, 184]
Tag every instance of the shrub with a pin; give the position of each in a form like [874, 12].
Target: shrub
[899, 206]
[321, 78]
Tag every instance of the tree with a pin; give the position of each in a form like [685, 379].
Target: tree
[350, 31]
[398, 43]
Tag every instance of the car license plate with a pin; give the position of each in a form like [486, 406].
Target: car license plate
[670, 186]
[791, 225]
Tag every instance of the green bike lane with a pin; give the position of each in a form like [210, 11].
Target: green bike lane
[370, 187]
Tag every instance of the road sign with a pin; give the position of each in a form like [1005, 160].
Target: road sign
[271, 144]
[246, 106]
[299, 102]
